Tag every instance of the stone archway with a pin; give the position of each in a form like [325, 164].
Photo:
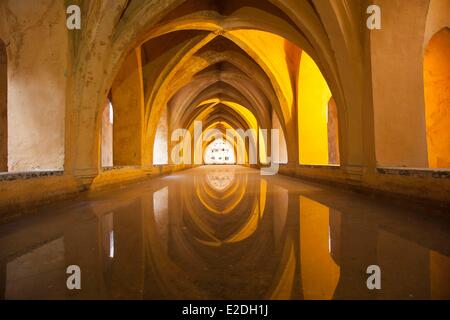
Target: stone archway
[118, 36]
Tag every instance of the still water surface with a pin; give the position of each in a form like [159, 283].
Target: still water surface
[225, 232]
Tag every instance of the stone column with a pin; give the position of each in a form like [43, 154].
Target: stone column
[128, 105]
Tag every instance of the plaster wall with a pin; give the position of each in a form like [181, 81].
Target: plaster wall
[437, 99]
[36, 34]
[398, 98]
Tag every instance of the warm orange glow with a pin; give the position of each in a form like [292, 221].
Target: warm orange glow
[272, 58]
[320, 274]
[437, 99]
[313, 98]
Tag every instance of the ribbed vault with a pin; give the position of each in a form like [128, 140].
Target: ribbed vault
[191, 52]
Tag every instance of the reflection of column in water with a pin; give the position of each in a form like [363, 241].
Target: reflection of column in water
[160, 211]
[111, 244]
[107, 234]
[280, 207]
[127, 274]
[82, 240]
[335, 235]
[404, 268]
[358, 250]
[285, 283]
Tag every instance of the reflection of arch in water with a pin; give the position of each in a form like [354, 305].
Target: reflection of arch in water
[220, 179]
[165, 244]
[216, 201]
[171, 274]
[244, 209]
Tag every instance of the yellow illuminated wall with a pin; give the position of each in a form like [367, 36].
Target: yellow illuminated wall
[313, 97]
[272, 57]
[320, 274]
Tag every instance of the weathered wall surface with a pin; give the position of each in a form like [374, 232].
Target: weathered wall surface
[397, 84]
[26, 194]
[36, 36]
[437, 99]
[333, 133]
[3, 108]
